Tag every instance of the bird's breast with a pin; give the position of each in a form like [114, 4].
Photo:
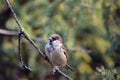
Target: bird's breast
[56, 55]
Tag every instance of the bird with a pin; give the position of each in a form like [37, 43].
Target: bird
[56, 52]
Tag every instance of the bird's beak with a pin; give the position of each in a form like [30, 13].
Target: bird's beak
[50, 39]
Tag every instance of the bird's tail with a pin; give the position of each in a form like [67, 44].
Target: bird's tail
[68, 67]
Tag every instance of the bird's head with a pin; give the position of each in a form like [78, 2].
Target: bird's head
[55, 37]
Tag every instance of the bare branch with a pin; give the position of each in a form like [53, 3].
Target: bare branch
[15, 33]
[63, 74]
[81, 50]
[20, 56]
[6, 32]
[14, 15]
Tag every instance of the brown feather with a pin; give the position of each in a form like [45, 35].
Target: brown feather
[65, 52]
[68, 67]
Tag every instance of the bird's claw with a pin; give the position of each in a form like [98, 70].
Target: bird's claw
[54, 69]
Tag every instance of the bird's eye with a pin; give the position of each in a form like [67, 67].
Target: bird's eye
[53, 38]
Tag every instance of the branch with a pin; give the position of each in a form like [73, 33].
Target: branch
[63, 74]
[81, 50]
[6, 32]
[21, 32]
[20, 55]
[14, 15]
[15, 33]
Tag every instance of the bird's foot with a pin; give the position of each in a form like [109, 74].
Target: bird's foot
[55, 68]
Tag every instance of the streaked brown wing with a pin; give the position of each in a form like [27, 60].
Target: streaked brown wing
[68, 67]
[65, 52]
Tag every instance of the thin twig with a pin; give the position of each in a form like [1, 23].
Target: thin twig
[21, 32]
[14, 15]
[63, 74]
[20, 55]
[15, 33]
[6, 32]
[19, 49]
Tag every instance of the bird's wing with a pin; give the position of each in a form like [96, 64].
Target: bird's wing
[65, 52]
[68, 67]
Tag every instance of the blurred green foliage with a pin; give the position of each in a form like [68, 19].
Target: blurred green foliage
[108, 74]
[90, 30]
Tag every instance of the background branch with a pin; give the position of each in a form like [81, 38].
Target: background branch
[6, 32]
[63, 74]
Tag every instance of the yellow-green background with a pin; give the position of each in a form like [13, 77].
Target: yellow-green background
[90, 30]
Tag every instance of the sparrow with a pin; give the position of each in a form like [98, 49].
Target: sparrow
[56, 52]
